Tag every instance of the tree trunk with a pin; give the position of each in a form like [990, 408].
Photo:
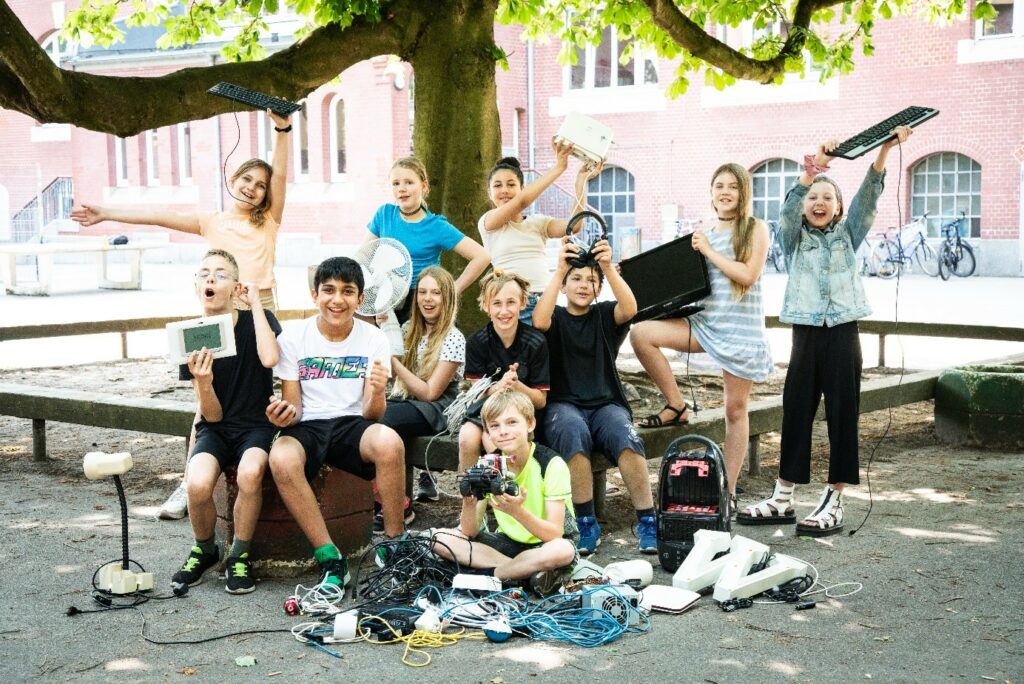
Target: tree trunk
[455, 92]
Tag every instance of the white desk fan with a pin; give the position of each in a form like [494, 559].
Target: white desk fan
[387, 269]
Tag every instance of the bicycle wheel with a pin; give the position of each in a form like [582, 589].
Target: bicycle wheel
[945, 255]
[963, 263]
[926, 259]
[883, 256]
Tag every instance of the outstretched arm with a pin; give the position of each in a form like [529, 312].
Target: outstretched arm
[91, 214]
[279, 180]
[545, 308]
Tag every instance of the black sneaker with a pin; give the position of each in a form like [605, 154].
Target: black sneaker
[191, 572]
[378, 516]
[239, 575]
[391, 550]
[426, 488]
[335, 571]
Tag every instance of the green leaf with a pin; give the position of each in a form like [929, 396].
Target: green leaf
[985, 11]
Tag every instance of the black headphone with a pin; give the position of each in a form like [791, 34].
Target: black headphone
[586, 257]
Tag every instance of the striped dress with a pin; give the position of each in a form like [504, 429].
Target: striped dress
[732, 332]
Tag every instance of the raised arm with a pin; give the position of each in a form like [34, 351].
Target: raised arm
[514, 208]
[266, 338]
[545, 307]
[744, 272]
[625, 300]
[556, 227]
[279, 180]
[91, 214]
[478, 258]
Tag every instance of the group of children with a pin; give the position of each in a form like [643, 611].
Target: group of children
[555, 398]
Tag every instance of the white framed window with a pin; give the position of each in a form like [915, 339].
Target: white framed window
[151, 141]
[944, 184]
[300, 141]
[613, 193]
[600, 66]
[336, 123]
[1008, 22]
[185, 153]
[120, 161]
[770, 181]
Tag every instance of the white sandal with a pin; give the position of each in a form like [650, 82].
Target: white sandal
[827, 518]
[775, 510]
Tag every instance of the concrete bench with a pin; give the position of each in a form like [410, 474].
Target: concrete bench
[175, 418]
[46, 251]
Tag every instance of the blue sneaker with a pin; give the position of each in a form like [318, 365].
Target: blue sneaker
[590, 534]
[647, 531]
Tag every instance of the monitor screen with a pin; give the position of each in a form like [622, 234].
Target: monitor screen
[202, 336]
[670, 275]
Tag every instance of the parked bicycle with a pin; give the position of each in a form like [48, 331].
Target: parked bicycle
[956, 256]
[776, 257]
[890, 256]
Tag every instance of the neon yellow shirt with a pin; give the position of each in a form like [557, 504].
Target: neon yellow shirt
[553, 486]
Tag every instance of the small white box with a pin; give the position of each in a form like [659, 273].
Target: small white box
[216, 333]
[591, 139]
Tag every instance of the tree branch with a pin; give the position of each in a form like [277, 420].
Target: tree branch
[124, 106]
[700, 44]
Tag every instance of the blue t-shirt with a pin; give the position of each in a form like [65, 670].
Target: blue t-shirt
[425, 239]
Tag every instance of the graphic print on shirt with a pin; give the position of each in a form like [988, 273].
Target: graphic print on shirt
[333, 367]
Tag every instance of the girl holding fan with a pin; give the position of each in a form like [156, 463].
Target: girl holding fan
[247, 229]
[824, 298]
[423, 233]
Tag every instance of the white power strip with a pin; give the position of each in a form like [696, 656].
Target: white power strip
[485, 583]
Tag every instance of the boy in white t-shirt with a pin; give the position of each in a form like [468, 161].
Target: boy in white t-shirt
[333, 371]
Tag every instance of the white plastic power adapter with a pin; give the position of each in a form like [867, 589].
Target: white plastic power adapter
[429, 622]
[345, 625]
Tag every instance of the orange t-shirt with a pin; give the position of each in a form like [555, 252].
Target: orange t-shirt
[254, 249]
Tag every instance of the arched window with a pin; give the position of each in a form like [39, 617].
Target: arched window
[770, 181]
[613, 193]
[945, 184]
[336, 125]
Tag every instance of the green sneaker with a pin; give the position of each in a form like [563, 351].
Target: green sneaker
[191, 572]
[335, 571]
[239, 575]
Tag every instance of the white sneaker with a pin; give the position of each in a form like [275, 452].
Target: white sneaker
[176, 506]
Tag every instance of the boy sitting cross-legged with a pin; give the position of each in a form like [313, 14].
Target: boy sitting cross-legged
[231, 428]
[333, 373]
[536, 528]
[587, 408]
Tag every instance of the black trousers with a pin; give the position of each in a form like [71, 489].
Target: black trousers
[824, 361]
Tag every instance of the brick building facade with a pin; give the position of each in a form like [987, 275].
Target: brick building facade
[660, 165]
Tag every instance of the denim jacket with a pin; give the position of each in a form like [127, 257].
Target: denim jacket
[824, 286]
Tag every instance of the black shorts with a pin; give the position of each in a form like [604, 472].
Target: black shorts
[334, 441]
[227, 444]
[504, 544]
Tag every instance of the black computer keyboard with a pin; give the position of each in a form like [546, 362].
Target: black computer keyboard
[254, 98]
[867, 140]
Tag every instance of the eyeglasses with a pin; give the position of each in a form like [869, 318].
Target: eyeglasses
[217, 275]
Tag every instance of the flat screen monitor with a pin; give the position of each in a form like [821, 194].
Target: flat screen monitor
[667, 279]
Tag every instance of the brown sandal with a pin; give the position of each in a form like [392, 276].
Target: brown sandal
[655, 421]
